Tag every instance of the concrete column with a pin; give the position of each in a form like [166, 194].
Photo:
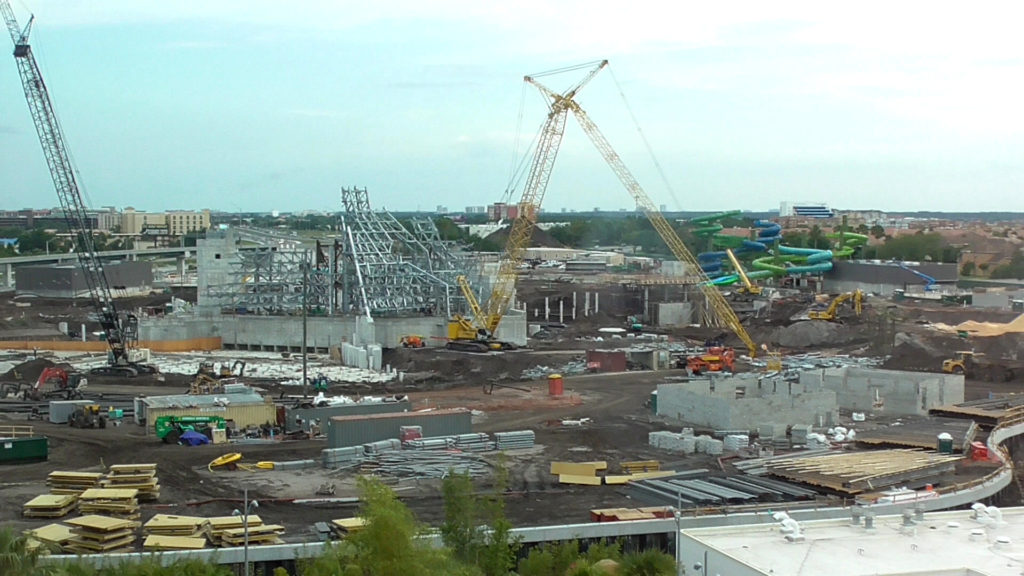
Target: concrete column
[596, 295]
[9, 274]
[574, 305]
[181, 267]
[561, 311]
[82, 333]
[586, 304]
[547, 309]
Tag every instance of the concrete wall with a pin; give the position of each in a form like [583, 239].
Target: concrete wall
[744, 401]
[892, 392]
[216, 257]
[674, 313]
[281, 333]
[68, 281]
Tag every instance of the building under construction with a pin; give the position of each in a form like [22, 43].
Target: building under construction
[374, 281]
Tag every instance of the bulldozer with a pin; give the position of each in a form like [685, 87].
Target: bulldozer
[88, 416]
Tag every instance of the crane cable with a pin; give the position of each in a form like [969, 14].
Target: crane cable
[643, 137]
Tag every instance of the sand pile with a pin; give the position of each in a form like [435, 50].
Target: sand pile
[985, 328]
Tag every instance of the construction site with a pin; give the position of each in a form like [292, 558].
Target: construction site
[749, 377]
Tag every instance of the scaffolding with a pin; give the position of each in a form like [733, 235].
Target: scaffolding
[375, 266]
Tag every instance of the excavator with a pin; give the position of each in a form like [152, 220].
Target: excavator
[748, 286]
[830, 313]
[121, 332]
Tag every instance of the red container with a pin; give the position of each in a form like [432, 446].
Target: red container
[555, 385]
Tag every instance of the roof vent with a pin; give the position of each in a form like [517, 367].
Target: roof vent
[1002, 543]
[977, 535]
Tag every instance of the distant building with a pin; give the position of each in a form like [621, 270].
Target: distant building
[175, 222]
[790, 209]
[502, 211]
[441, 209]
[476, 209]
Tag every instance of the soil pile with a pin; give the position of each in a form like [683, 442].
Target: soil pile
[814, 334]
[29, 371]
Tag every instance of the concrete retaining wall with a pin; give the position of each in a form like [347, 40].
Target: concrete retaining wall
[891, 392]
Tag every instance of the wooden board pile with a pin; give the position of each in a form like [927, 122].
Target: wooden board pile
[623, 514]
[52, 536]
[586, 473]
[141, 477]
[120, 502]
[50, 506]
[184, 526]
[72, 482]
[345, 526]
[156, 543]
[95, 534]
[220, 524]
[262, 534]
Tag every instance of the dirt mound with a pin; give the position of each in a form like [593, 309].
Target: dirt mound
[814, 333]
[28, 370]
[911, 354]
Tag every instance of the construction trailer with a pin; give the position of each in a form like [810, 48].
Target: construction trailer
[345, 431]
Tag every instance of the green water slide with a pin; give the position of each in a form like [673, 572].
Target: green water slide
[846, 243]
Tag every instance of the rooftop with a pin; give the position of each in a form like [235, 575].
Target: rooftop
[943, 543]
[249, 396]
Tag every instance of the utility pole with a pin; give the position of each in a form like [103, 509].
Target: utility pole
[305, 290]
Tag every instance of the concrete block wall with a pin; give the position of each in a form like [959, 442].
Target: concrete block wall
[693, 404]
[892, 392]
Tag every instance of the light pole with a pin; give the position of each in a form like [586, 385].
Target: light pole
[679, 540]
[247, 509]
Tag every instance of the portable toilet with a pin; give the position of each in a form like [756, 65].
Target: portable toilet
[945, 443]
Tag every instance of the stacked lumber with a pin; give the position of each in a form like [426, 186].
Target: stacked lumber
[178, 526]
[345, 526]
[72, 482]
[220, 524]
[640, 466]
[141, 477]
[262, 534]
[119, 502]
[50, 506]
[623, 514]
[585, 473]
[52, 536]
[156, 542]
[95, 534]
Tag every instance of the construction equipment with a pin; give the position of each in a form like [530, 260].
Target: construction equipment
[170, 428]
[87, 416]
[830, 313]
[634, 324]
[205, 384]
[413, 341]
[973, 366]
[54, 382]
[207, 368]
[716, 359]
[929, 282]
[560, 105]
[748, 286]
[120, 332]
[476, 335]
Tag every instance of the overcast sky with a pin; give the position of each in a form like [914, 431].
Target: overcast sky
[259, 105]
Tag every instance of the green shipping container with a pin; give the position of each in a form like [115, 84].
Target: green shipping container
[654, 402]
[23, 450]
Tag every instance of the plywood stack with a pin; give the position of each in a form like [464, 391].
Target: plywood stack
[155, 543]
[50, 506]
[220, 524]
[52, 536]
[179, 526]
[119, 502]
[262, 534]
[141, 477]
[345, 526]
[72, 482]
[95, 534]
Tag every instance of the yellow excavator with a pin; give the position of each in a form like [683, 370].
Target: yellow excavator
[748, 286]
[830, 312]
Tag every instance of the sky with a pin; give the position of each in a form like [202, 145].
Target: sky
[254, 105]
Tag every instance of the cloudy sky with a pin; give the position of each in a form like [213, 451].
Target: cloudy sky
[261, 105]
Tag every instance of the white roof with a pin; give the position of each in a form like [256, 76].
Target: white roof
[941, 544]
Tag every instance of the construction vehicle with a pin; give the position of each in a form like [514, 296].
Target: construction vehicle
[475, 335]
[413, 341]
[170, 428]
[929, 282]
[121, 333]
[236, 370]
[88, 416]
[634, 324]
[830, 313]
[971, 365]
[54, 382]
[748, 286]
[716, 359]
[560, 105]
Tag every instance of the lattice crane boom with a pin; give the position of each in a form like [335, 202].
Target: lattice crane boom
[532, 198]
[717, 301]
[120, 334]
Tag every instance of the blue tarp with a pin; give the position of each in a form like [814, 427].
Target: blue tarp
[193, 438]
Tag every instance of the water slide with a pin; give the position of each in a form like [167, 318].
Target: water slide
[846, 243]
[793, 261]
[711, 262]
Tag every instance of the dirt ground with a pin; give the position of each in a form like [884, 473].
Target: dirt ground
[615, 404]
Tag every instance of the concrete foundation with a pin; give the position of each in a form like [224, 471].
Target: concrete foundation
[738, 402]
[892, 392]
[673, 313]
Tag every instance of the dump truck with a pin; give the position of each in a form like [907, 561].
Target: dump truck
[975, 366]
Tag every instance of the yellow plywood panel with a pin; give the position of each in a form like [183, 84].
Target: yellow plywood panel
[253, 531]
[576, 479]
[168, 521]
[577, 468]
[109, 494]
[51, 501]
[643, 475]
[131, 468]
[173, 543]
[102, 523]
[614, 479]
[225, 522]
[53, 533]
[350, 524]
